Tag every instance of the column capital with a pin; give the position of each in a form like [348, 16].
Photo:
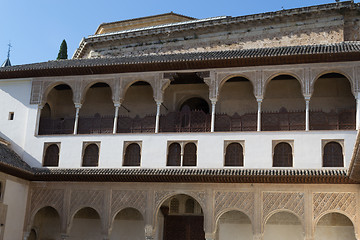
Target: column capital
[117, 104]
[78, 105]
[40, 106]
[64, 236]
[307, 98]
[259, 100]
[210, 236]
[158, 102]
[213, 100]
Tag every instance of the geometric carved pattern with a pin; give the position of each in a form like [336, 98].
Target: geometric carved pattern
[87, 198]
[161, 196]
[41, 197]
[243, 201]
[128, 198]
[283, 200]
[345, 202]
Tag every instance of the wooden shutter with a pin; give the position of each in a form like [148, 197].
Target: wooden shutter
[51, 158]
[132, 155]
[282, 155]
[174, 155]
[189, 155]
[91, 156]
[333, 155]
[234, 155]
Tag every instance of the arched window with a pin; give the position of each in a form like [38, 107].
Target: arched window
[174, 205]
[333, 155]
[234, 155]
[132, 155]
[91, 155]
[51, 158]
[190, 206]
[174, 155]
[189, 155]
[282, 155]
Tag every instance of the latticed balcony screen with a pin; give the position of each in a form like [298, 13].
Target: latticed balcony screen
[174, 205]
[283, 155]
[234, 155]
[189, 155]
[132, 155]
[91, 156]
[51, 158]
[333, 155]
[174, 155]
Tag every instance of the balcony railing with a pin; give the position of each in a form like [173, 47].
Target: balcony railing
[48, 126]
[283, 121]
[93, 125]
[136, 125]
[344, 120]
[225, 123]
[198, 121]
[185, 121]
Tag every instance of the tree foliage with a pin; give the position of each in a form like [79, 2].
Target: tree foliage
[63, 51]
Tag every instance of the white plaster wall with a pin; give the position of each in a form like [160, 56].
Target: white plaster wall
[15, 197]
[85, 228]
[128, 230]
[257, 151]
[14, 97]
[334, 233]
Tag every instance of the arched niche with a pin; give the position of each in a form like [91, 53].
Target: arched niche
[234, 225]
[283, 106]
[58, 113]
[47, 224]
[86, 224]
[177, 222]
[283, 226]
[138, 100]
[332, 104]
[334, 226]
[128, 224]
[236, 96]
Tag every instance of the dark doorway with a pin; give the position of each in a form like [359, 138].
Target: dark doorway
[195, 104]
[184, 228]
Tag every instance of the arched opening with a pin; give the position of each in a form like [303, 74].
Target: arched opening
[236, 109]
[86, 224]
[174, 155]
[334, 226]
[283, 226]
[283, 107]
[58, 113]
[190, 155]
[132, 155]
[180, 219]
[47, 224]
[91, 156]
[128, 224]
[333, 155]
[51, 158]
[332, 104]
[97, 112]
[234, 225]
[185, 108]
[234, 156]
[283, 156]
[138, 110]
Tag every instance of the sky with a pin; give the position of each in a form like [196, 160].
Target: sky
[36, 28]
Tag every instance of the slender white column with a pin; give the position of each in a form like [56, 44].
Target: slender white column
[117, 106]
[157, 121]
[357, 112]
[259, 101]
[213, 104]
[307, 116]
[38, 119]
[77, 106]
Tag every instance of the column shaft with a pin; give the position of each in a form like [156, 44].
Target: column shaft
[259, 115]
[117, 106]
[38, 120]
[77, 106]
[307, 116]
[357, 113]
[213, 104]
[157, 121]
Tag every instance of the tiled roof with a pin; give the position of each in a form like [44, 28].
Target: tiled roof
[122, 64]
[9, 157]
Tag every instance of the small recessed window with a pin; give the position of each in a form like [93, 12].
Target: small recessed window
[11, 115]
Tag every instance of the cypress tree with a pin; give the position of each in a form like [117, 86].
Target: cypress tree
[63, 51]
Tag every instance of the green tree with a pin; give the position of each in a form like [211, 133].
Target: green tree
[63, 51]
